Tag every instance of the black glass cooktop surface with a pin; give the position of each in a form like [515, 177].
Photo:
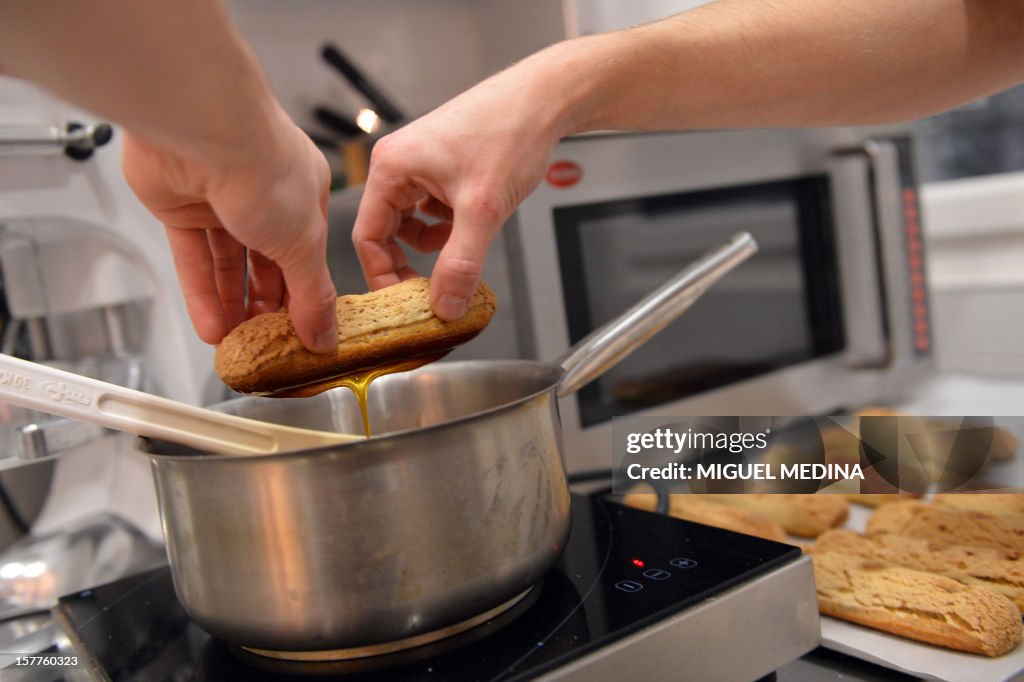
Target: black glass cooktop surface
[622, 570]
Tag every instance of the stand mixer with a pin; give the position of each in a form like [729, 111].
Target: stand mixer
[85, 266]
[88, 285]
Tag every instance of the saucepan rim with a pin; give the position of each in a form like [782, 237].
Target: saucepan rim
[142, 443]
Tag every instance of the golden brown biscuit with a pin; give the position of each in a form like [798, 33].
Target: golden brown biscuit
[692, 508]
[877, 500]
[997, 569]
[949, 525]
[264, 354]
[806, 516]
[1008, 503]
[923, 606]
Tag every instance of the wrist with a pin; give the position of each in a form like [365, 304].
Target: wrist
[586, 77]
[229, 118]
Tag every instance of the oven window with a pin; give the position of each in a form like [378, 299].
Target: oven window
[779, 308]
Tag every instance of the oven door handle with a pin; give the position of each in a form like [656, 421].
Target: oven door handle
[869, 205]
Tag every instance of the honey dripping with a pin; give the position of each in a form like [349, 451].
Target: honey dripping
[359, 382]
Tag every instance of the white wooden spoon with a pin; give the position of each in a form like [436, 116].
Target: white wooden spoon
[55, 391]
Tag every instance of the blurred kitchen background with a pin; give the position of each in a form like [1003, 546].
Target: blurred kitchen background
[88, 285]
[971, 159]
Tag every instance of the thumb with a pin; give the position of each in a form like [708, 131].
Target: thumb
[461, 262]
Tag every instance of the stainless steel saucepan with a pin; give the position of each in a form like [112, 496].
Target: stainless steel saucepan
[457, 508]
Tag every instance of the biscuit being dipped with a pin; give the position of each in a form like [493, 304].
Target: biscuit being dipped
[263, 355]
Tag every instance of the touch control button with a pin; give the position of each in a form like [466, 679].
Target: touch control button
[657, 574]
[683, 562]
[629, 586]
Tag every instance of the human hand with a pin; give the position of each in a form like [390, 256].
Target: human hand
[468, 164]
[269, 197]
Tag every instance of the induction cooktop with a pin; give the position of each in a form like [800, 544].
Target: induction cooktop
[634, 594]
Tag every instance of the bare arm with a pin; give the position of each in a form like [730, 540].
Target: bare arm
[734, 63]
[169, 70]
[738, 63]
[209, 151]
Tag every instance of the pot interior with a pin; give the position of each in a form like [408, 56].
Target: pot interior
[434, 394]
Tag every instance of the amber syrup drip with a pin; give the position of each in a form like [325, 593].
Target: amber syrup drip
[359, 382]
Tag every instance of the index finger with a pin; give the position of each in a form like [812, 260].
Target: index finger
[193, 263]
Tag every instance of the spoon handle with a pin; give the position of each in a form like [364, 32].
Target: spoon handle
[54, 391]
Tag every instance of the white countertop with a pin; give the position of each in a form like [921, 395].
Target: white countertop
[962, 394]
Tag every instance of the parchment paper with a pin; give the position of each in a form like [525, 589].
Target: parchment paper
[921, 660]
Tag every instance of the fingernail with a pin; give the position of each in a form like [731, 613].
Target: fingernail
[327, 341]
[450, 307]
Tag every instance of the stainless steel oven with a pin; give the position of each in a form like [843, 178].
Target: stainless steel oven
[831, 313]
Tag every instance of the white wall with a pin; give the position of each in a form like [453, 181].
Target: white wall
[975, 231]
[419, 53]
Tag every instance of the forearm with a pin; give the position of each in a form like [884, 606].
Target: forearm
[745, 63]
[174, 72]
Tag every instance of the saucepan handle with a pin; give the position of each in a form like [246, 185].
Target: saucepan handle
[603, 348]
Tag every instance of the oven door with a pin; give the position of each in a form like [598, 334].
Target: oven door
[828, 314]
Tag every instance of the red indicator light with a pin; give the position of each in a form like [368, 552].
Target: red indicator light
[638, 563]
